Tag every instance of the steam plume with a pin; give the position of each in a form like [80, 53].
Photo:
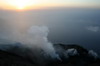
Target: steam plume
[32, 37]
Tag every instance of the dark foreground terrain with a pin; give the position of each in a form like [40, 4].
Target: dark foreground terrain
[69, 55]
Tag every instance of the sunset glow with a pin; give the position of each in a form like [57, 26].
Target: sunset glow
[18, 4]
[31, 4]
[21, 4]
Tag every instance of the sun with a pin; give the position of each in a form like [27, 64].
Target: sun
[21, 4]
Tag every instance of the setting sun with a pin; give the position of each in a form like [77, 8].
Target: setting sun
[21, 4]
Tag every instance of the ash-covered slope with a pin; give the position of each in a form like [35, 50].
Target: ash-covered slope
[67, 55]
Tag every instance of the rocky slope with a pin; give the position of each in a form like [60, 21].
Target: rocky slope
[68, 55]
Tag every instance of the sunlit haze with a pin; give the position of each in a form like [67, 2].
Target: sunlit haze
[31, 4]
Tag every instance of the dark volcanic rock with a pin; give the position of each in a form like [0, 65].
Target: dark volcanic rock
[82, 58]
[70, 55]
[9, 59]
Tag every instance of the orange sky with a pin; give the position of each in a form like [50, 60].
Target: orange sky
[33, 4]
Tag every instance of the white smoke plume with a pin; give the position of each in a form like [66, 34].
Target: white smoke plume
[38, 36]
[93, 54]
[32, 37]
[71, 52]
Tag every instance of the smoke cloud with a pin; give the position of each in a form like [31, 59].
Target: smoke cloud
[32, 37]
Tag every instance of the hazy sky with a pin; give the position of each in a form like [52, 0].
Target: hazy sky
[20, 4]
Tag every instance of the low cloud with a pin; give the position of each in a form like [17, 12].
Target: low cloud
[93, 28]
